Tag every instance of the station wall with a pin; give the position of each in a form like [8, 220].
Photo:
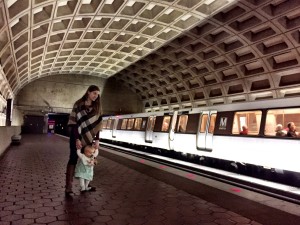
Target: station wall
[57, 94]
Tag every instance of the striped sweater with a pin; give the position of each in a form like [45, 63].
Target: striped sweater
[87, 122]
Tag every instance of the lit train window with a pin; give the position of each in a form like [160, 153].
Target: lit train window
[182, 122]
[278, 119]
[124, 124]
[138, 123]
[130, 124]
[104, 122]
[144, 122]
[166, 123]
[112, 126]
[212, 123]
[108, 124]
[247, 122]
[151, 123]
[203, 123]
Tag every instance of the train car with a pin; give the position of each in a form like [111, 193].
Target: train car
[214, 135]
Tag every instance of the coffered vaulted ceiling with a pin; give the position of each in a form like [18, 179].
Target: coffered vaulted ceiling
[172, 53]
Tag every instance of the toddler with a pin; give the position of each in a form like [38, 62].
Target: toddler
[85, 167]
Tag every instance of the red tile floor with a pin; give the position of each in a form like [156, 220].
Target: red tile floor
[32, 177]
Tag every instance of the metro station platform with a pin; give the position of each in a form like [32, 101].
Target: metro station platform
[32, 178]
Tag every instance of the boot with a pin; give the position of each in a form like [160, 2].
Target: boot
[69, 178]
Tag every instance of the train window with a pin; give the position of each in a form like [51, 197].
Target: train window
[124, 124]
[278, 119]
[138, 123]
[166, 123]
[247, 122]
[112, 126]
[192, 124]
[151, 123]
[119, 124]
[144, 122]
[103, 124]
[158, 123]
[212, 123]
[108, 124]
[130, 124]
[204, 119]
[182, 122]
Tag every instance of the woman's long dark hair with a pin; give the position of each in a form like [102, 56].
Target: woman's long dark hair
[96, 105]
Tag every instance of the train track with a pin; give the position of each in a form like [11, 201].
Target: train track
[279, 191]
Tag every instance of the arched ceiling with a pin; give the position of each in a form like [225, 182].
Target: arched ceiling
[172, 53]
[92, 37]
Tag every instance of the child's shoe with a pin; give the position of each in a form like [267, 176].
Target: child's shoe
[88, 189]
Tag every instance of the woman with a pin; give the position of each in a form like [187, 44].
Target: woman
[84, 126]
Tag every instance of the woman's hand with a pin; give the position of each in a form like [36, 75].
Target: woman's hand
[78, 144]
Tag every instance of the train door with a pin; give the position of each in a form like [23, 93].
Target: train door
[205, 131]
[149, 129]
[114, 127]
[172, 131]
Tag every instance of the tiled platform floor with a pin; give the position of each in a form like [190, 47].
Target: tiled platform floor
[32, 177]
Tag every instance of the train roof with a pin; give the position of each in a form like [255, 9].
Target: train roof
[262, 104]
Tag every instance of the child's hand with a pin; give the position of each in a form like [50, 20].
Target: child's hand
[78, 144]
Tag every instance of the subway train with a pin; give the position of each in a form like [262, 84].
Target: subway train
[214, 136]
